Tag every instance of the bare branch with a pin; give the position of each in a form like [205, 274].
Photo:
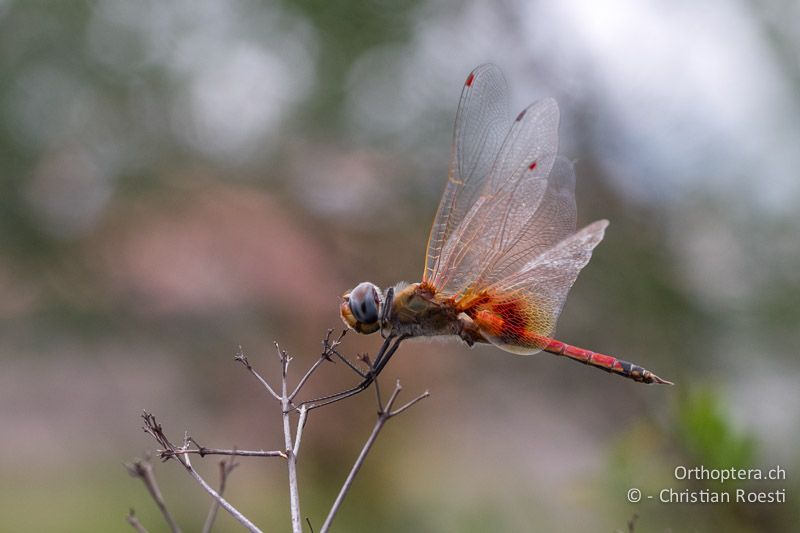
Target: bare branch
[143, 469]
[308, 374]
[222, 502]
[291, 459]
[134, 522]
[383, 416]
[225, 468]
[409, 404]
[190, 446]
[353, 471]
[392, 398]
[242, 358]
[328, 349]
[284, 358]
[154, 428]
[301, 423]
[202, 452]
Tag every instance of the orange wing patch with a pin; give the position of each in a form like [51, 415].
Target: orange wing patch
[509, 321]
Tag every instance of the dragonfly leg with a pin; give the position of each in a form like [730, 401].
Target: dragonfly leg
[388, 349]
[386, 310]
[470, 333]
[603, 362]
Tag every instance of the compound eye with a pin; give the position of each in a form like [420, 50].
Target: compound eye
[364, 302]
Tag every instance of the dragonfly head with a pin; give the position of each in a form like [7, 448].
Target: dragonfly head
[361, 308]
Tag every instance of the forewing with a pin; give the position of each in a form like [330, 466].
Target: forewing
[515, 187]
[537, 292]
[551, 222]
[482, 122]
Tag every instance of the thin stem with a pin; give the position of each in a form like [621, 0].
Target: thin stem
[384, 414]
[306, 376]
[291, 459]
[144, 471]
[152, 427]
[202, 452]
[328, 348]
[410, 404]
[353, 471]
[184, 460]
[301, 423]
[242, 358]
[225, 468]
[392, 398]
[134, 522]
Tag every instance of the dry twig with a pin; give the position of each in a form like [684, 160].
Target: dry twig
[292, 443]
[384, 414]
[143, 469]
[202, 451]
[291, 458]
[134, 522]
[225, 468]
[156, 431]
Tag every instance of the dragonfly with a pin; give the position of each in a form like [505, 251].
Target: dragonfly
[503, 251]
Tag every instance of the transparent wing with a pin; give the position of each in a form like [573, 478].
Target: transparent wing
[482, 122]
[523, 308]
[552, 221]
[514, 189]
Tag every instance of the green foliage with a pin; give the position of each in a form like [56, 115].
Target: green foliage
[707, 434]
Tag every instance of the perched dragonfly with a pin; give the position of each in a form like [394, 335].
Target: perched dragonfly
[503, 251]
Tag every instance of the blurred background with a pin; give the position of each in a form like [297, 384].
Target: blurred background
[180, 178]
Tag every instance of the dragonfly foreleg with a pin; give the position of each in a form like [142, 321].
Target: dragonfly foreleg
[386, 311]
[387, 350]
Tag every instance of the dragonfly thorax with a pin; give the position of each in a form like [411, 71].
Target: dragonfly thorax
[418, 311]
